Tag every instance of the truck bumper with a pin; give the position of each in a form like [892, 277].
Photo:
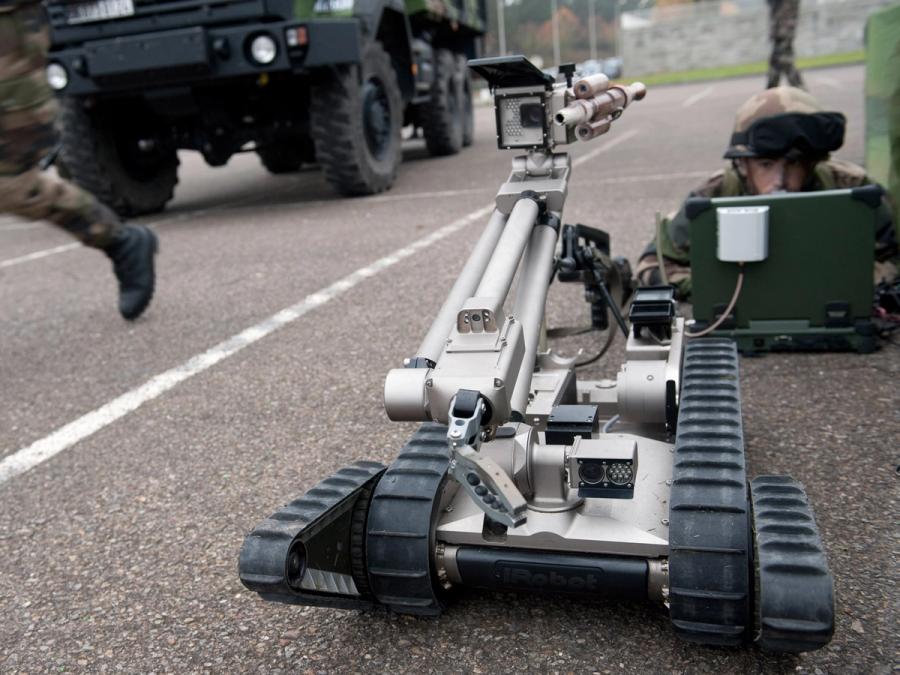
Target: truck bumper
[204, 55]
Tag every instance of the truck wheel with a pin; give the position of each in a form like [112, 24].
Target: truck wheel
[442, 116]
[468, 134]
[107, 159]
[280, 160]
[356, 125]
[287, 153]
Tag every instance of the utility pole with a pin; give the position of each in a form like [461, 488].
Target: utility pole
[592, 29]
[556, 57]
[617, 22]
[502, 26]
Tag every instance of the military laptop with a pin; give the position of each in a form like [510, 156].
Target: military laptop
[812, 291]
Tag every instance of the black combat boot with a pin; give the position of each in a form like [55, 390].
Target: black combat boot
[132, 254]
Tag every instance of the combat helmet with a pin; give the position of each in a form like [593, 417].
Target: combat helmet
[785, 121]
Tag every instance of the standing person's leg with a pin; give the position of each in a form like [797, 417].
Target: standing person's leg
[788, 27]
[27, 110]
[789, 68]
[774, 74]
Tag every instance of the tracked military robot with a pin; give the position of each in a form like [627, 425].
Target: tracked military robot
[523, 478]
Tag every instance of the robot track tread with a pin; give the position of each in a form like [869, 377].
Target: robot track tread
[709, 538]
[399, 530]
[794, 588]
[264, 559]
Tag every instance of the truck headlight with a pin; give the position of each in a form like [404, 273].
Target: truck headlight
[57, 76]
[263, 49]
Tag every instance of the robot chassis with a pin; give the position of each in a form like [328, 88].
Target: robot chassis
[523, 478]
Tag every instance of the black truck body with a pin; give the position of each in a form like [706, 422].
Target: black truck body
[297, 81]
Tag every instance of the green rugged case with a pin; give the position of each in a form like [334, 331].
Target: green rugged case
[883, 99]
[821, 253]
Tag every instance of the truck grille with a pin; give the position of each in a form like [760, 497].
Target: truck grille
[164, 14]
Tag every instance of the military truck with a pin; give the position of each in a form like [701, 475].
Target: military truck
[296, 81]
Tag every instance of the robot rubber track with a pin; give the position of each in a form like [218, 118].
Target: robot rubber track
[512, 484]
[746, 563]
[306, 553]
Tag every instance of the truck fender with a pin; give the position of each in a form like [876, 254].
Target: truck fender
[395, 34]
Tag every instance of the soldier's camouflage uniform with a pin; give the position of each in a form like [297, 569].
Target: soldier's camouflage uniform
[783, 15]
[27, 111]
[672, 232]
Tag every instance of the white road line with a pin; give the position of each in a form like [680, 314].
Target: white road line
[699, 96]
[364, 201]
[275, 208]
[609, 145]
[38, 254]
[652, 176]
[417, 195]
[827, 81]
[230, 206]
[65, 437]
[383, 198]
[18, 226]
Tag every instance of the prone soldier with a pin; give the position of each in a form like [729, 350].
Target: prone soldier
[27, 112]
[781, 142]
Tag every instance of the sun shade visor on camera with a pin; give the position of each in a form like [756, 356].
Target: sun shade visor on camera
[809, 134]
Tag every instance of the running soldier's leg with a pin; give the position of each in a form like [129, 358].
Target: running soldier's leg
[38, 196]
[27, 111]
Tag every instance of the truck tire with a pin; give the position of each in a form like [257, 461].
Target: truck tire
[280, 160]
[286, 154]
[103, 157]
[356, 124]
[468, 134]
[442, 116]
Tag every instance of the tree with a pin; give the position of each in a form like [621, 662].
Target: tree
[529, 28]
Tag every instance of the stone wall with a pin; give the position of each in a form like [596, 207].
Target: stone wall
[722, 33]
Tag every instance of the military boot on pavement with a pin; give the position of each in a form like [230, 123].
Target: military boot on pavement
[132, 253]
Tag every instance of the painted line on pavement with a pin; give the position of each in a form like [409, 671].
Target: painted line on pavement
[618, 140]
[827, 81]
[229, 206]
[652, 176]
[92, 422]
[11, 227]
[65, 437]
[37, 255]
[363, 201]
[418, 195]
[699, 96]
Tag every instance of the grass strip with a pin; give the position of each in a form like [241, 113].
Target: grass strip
[756, 68]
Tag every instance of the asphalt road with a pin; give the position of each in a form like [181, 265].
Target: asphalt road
[119, 553]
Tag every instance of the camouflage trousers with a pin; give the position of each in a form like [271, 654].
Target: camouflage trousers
[783, 18]
[781, 62]
[27, 112]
